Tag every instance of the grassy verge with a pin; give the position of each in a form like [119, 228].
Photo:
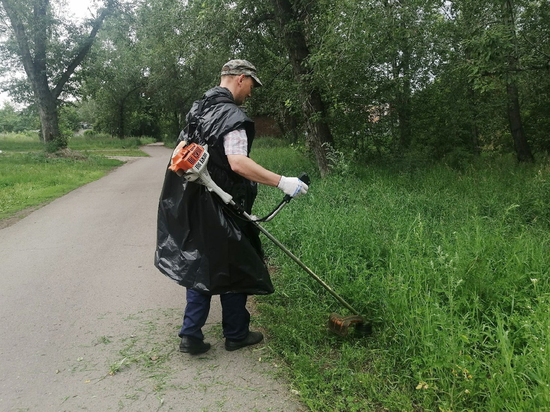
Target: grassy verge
[107, 146]
[88, 144]
[30, 177]
[452, 268]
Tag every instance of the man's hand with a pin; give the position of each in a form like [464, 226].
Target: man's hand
[292, 186]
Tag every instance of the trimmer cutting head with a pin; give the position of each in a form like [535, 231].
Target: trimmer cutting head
[341, 324]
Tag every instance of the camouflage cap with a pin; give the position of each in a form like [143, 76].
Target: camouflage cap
[237, 67]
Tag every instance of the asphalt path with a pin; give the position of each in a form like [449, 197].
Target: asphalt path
[88, 323]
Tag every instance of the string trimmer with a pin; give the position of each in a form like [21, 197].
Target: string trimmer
[190, 160]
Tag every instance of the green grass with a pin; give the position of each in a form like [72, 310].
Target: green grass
[90, 144]
[20, 142]
[452, 269]
[108, 146]
[30, 177]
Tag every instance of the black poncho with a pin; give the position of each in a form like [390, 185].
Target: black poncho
[201, 243]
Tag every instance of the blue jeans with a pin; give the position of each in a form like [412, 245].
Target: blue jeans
[235, 316]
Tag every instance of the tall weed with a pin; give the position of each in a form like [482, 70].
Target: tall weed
[20, 142]
[452, 269]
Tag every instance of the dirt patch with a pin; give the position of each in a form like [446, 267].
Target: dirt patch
[67, 153]
[125, 159]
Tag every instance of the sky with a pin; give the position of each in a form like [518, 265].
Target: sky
[80, 7]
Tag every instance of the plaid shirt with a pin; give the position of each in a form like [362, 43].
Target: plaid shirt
[236, 143]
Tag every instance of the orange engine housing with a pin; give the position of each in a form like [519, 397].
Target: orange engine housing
[185, 156]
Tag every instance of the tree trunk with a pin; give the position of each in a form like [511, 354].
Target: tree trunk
[404, 99]
[319, 138]
[404, 116]
[121, 126]
[319, 134]
[47, 111]
[175, 129]
[473, 111]
[474, 130]
[288, 125]
[523, 151]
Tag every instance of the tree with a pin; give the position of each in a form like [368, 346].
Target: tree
[115, 76]
[499, 57]
[38, 33]
[535, 34]
[371, 58]
[183, 47]
[9, 119]
[523, 149]
[290, 17]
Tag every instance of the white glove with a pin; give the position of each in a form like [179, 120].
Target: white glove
[292, 186]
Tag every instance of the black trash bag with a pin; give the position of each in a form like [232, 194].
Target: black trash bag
[200, 244]
[203, 247]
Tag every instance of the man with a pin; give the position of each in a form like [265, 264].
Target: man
[203, 244]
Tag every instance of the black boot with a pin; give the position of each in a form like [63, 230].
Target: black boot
[193, 346]
[252, 339]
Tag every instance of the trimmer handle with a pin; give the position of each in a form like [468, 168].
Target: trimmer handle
[304, 178]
